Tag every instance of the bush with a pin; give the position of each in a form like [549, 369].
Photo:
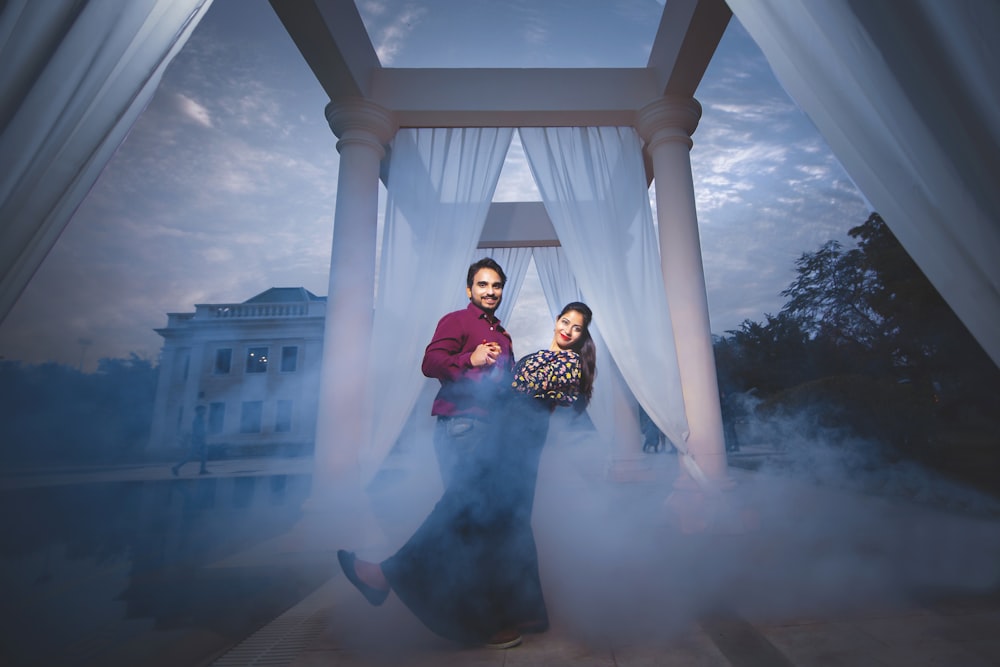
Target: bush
[897, 414]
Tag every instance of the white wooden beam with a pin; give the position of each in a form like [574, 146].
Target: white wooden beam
[333, 40]
[513, 97]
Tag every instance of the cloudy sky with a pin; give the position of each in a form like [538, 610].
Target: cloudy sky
[226, 185]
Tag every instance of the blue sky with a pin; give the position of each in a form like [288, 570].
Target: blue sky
[226, 185]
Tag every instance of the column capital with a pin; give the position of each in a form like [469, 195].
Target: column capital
[357, 120]
[668, 118]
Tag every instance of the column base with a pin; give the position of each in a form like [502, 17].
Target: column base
[717, 511]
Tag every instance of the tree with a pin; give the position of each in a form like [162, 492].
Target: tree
[767, 356]
[54, 413]
[926, 340]
[830, 297]
[863, 312]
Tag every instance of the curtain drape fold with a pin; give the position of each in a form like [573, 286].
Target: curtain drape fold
[514, 262]
[441, 182]
[906, 95]
[75, 77]
[593, 185]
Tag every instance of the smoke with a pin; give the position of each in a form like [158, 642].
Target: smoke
[840, 526]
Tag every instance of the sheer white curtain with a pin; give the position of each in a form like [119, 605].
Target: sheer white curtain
[441, 182]
[514, 262]
[593, 185]
[560, 287]
[75, 77]
[906, 95]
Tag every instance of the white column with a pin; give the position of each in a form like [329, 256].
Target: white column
[628, 462]
[342, 424]
[667, 125]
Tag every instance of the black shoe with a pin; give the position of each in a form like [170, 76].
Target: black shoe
[372, 594]
[504, 640]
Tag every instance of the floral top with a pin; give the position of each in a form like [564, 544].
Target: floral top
[552, 375]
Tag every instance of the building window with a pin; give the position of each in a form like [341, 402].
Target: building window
[223, 360]
[283, 420]
[289, 358]
[216, 417]
[256, 360]
[250, 418]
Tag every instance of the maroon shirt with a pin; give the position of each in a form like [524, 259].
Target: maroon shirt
[465, 389]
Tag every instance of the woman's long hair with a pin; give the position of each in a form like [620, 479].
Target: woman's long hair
[584, 346]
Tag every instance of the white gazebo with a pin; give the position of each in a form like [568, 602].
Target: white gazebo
[595, 139]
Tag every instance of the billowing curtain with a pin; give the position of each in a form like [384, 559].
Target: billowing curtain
[560, 287]
[74, 78]
[514, 262]
[906, 95]
[593, 186]
[440, 185]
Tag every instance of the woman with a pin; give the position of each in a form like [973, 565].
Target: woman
[470, 571]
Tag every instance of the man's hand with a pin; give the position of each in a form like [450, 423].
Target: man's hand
[485, 354]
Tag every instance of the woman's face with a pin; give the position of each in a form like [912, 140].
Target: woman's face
[569, 328]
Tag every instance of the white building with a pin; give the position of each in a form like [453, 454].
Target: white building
[253, 365]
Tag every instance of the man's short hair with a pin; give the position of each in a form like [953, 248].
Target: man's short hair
[485, 263]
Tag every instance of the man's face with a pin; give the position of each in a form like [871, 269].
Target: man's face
[486, 290]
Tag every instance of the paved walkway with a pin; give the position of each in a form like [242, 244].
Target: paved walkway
[821, 578]
[330, 629]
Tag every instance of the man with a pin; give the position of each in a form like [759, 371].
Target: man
[199, 448]
[471, 355]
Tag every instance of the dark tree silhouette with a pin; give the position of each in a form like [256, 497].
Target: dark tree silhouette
[864, 328]
[52, 413]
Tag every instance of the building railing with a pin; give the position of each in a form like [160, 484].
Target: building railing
[257, 310]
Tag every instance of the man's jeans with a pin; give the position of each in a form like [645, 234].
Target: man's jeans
[457, 443]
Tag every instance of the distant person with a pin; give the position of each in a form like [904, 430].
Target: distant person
[471, 355]
[198, 448]
[470, 571]
[731, 410]
[653, 439]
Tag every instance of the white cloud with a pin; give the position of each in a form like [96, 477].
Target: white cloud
[391, 40]
[534, 33]
[193, 111]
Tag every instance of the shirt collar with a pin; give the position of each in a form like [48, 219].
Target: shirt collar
[481, 314]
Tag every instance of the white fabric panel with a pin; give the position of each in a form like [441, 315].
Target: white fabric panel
[557, 279]
[75, 77]
[559, 286]
[514, 262]
[441, 182]
[906, 95]
[593, 184]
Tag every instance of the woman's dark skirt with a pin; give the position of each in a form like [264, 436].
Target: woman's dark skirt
[471, 568]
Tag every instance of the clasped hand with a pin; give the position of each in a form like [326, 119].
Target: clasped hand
[485, 354]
